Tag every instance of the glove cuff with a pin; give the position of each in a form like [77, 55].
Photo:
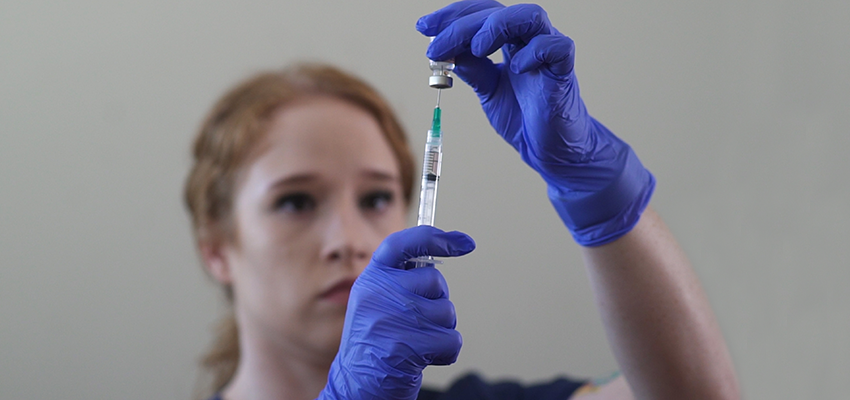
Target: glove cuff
[600, 217]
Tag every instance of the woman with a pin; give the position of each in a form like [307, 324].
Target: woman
[299, 191]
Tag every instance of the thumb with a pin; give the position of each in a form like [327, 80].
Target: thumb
[421, 241]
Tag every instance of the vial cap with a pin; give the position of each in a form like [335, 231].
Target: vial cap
[440, 81]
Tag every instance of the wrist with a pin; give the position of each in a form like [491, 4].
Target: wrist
[601, 216]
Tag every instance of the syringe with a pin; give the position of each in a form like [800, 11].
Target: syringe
[440, 79]
[431, 171]
[430, 178]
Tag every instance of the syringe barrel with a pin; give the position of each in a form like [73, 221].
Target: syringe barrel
[430, 180]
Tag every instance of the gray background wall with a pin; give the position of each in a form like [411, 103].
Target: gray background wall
[738, 107]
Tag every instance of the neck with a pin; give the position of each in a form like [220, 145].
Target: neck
[269, 369]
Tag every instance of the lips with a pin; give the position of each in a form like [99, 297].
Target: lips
[338, 293]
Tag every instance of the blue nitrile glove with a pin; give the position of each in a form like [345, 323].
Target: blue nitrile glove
[398, 321]
[595, 181]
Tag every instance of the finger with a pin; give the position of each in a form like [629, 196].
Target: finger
[516, 23]
[427, 282]
[442, 346]
[439, 312]
[455, 38]
[480, 73]
[556, 52]
[421, 241]
[434, 23]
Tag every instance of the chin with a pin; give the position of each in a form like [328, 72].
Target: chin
[326, 341]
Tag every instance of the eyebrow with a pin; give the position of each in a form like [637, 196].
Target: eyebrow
[293, 180]
[310, 177]
[379, 175]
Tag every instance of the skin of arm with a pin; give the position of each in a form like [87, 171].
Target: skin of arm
[657, 320]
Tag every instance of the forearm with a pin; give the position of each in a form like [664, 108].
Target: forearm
[658, 321]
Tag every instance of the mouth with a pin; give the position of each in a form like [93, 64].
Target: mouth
[338, 293]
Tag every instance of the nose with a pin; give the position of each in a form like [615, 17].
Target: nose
[348, 237]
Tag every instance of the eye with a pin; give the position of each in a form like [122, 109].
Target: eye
[295, 203]
[377, 200]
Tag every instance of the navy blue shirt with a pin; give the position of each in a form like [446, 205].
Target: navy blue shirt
[472, 387]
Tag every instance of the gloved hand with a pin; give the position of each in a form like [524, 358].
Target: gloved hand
[595, 181]
[398, 321]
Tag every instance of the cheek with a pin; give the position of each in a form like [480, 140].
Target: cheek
[272, 240]
[274, 272]
[397, 220]
[393, 220]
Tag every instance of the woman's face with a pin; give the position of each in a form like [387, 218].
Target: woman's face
[315, 200]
